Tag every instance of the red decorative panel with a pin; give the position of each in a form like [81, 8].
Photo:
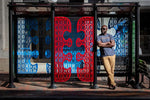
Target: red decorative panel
[86, 24]
[62, 24]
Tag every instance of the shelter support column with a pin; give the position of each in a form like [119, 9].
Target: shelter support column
[95, 48]
[137, 23]
[52, 45]
[11, 49]
[129, 75]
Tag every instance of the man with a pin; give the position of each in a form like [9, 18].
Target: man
[106, 42]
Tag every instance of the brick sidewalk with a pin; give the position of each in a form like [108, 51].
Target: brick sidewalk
[38, 88]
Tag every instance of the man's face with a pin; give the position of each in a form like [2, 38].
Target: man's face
[104, 29]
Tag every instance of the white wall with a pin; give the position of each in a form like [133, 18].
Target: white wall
[4, 42]
[0, 24]
[4, 29]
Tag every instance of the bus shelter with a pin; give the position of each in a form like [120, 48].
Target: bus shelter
[59, 40]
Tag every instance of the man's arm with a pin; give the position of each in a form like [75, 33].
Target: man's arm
[106, 44]
[112, 43]
[101, 44]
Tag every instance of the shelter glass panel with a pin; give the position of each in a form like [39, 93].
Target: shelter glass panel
[119, 29]
[33, 45]
[74, 39]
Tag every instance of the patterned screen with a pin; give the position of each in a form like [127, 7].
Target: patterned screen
[74, 39]
[33, 45]
[73, 45]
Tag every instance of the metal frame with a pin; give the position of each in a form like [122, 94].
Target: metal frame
[95, 48]
[130, 50]
[11, 49]
[12, 39]
[52, 43]
[15, 49]
[137, 31]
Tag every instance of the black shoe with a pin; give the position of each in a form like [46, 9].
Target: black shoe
[112, 87]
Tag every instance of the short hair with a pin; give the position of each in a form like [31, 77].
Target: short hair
[104, 25]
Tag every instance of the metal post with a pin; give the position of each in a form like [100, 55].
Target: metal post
[15, 49]
[129, 69]
[52, 46]
[95, 48]
[11, 63]
[137, 46]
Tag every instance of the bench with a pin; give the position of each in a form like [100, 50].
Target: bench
[144, 70]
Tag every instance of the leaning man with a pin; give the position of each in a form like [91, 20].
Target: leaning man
[106, 43]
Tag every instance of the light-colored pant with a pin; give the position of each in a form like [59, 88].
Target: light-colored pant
[109, 64]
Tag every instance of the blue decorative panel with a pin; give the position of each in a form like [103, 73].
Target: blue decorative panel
[33, 45]
[98, 24]
[48, 43]
[121, 35]
[24, 40]
[118, 28]
[48, 68]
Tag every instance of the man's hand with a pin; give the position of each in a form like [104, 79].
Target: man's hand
[106, 44]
